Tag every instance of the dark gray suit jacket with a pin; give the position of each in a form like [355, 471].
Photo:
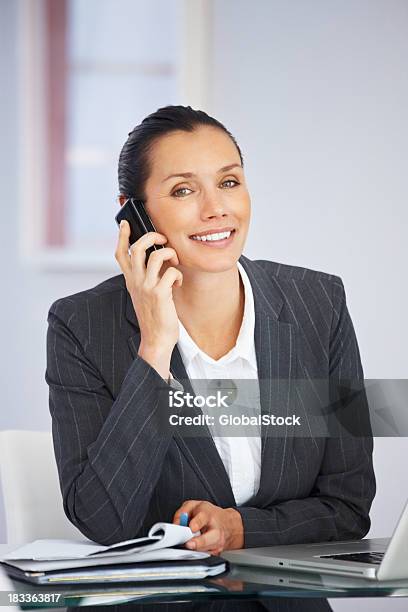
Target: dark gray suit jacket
[119, 474]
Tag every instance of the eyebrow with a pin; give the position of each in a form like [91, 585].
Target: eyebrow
[191, 174]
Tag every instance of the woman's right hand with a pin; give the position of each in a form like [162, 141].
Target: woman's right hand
[151, 294]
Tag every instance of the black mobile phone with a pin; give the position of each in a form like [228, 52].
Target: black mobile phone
[140, 223]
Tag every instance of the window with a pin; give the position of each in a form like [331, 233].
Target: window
[90, 72]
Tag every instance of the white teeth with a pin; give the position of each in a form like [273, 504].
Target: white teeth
[219, 236]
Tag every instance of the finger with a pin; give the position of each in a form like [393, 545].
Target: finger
[156, 260]
[209, 540]
[121, 253]
[138, 250]
[216, 551]
[199, 520]
[170, 277]
[187, 506]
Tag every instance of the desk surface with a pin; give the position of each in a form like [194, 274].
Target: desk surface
[239, 583]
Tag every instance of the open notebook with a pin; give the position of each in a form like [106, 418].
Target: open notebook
[155, 554]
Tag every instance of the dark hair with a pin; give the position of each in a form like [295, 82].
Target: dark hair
[134, 159]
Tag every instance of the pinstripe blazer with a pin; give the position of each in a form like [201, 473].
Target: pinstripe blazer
[119, 474]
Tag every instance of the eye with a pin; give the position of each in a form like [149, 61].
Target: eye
[235, 183]
[181, 195]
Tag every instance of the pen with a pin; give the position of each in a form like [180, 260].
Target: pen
[184, 519]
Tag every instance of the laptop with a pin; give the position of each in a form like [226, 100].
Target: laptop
[375, 559]
[313, 581]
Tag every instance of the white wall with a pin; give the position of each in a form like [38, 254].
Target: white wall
[316, 93]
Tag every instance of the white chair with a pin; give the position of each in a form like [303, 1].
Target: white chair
[31, 492]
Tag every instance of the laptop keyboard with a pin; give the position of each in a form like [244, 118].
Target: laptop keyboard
[374, 558]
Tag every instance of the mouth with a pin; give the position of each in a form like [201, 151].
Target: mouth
[220, 240]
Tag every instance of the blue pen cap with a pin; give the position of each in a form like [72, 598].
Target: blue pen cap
[184, 519]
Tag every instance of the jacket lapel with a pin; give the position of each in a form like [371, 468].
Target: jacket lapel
[200, 452]
[277, 361]
[276, 351]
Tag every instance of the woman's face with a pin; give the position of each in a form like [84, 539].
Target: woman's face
[211, 197]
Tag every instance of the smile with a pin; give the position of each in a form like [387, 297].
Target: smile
[221, 239]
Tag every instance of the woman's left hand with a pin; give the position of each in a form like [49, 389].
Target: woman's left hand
[221, 528]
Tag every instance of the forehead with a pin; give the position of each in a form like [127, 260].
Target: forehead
[205, 149]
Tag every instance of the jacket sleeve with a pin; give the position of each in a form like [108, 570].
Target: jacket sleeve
[109, 451]
[340, 500]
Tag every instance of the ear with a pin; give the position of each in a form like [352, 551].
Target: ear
[122, 199]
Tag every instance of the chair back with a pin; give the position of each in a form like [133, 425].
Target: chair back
[31, 491]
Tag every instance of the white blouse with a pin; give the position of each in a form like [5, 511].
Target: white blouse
[241, 456]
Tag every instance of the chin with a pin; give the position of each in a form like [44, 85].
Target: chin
[219, 263]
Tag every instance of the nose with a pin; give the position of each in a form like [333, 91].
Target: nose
[213, 206]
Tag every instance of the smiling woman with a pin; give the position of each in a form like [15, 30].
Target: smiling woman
[201, 310]
[201, 205]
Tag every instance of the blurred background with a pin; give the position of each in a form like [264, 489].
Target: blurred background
[316, 94]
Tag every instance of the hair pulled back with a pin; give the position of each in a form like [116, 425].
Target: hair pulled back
[134, 159]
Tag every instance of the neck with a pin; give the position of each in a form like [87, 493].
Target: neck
[210, 305]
